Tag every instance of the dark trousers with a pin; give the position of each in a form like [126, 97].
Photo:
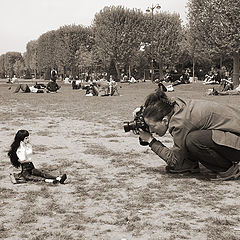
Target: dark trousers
[23, 87]
[30, 173]
[202, 148]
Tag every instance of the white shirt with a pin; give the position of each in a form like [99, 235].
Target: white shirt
[33, 89]
[24, 152]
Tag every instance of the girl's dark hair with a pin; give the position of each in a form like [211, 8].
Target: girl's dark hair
[157, 106]
[20, 135]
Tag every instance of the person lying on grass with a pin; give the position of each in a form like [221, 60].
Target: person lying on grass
[202, 131]
[20, 155]
[235, 91]
[37, 88]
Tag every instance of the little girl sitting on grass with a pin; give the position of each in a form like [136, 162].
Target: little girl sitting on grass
[20, 156]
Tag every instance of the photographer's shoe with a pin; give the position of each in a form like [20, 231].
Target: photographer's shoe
[170, 169]
[232, 173]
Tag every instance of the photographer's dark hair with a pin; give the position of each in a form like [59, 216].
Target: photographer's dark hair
[157, 106]
[20, 135]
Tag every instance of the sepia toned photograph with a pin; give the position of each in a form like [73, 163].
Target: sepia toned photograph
[120, 120]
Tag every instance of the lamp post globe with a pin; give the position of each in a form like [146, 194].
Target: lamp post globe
[151, 9]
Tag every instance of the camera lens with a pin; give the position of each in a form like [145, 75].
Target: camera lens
[126, 126]
[129, 126]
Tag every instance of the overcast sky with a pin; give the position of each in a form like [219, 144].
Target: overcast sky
[24, 20]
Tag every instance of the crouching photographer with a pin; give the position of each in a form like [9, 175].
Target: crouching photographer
[202, 131]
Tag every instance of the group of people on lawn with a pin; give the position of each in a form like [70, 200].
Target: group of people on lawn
[51, 87]
[101, 87]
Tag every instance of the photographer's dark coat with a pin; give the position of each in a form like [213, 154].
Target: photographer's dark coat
[191, 115]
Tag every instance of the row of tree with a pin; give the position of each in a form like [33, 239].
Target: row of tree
[214, 28]
[122, 40]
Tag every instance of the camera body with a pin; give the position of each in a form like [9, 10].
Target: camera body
[137, 124]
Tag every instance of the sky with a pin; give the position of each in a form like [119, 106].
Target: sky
[24, 20]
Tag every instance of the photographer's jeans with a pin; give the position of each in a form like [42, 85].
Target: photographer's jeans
[215, 157]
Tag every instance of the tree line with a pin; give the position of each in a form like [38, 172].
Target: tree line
[122, 40]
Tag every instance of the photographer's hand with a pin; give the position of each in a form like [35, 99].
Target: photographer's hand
[136, 111]
[146, 136]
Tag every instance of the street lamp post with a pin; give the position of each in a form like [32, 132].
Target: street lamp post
[151, 9]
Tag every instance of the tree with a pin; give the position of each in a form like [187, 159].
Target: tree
[118, 33]
[2, 66]
[163, 35]
[46, 52]
[216, 24]
[19, 67]
[10, 58]
[192, 53]
[70, 40]
[83, 58]
[30, 57]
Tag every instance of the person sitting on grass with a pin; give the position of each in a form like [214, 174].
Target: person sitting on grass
[20, 155]
[91, 90]
[113, 87]
[226, 85]
[103, 87]
[52, 86]
[202, 131]
[235, 91]
[210, 79]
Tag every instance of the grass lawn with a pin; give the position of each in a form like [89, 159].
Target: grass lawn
[116, 189]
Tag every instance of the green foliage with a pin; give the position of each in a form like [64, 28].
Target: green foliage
[27, 74]
[167, 36]
[192, 52]
[19, 67]
[11, 63]
[2, 66]
[216, 24]
[46, 51]
[118, 34]
[58, 49]
[83, 57]
[71, 40]
[162, 39]
[30, 57]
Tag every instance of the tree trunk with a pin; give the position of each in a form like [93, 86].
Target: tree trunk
[221, 62]
[193, 69]
[129, 72]
[118, 71]
[160, 70]
[236, 69]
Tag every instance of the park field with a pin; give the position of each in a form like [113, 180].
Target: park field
[116, 189]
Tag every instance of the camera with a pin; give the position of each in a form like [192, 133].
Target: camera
[137, 124]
